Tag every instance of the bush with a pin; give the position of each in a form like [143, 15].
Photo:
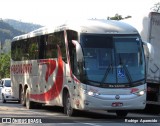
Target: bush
[5, 65]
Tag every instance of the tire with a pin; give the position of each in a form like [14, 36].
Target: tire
[3, 99]
[68, 110]
[121, 113]
[29, 104]
[22, 97]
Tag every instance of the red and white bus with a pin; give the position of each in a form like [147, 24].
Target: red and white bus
[91, 65]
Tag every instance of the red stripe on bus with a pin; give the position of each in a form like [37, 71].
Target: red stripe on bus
[51, 65]
[55, 90]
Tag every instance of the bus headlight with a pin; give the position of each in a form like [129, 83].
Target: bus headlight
[140, 93]
[92, 93]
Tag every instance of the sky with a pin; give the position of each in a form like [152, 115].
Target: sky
[49, 12]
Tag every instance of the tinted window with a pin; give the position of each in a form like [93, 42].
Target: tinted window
[39, 47]
[7, 83]
[94, 41]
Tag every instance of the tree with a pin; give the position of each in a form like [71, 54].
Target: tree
[118, 17]
[156, 7]
[6, 46]
[5, 65]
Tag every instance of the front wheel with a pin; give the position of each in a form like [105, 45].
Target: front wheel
[121, 113]
[68, 110]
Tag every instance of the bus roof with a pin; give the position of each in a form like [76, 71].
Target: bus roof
[88, 26]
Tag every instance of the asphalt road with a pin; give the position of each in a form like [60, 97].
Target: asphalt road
[12, 113]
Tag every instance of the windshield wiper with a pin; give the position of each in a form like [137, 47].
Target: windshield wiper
[106, 74]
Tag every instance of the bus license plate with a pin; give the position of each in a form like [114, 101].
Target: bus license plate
[117, 104]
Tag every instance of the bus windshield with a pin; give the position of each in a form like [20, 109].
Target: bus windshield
[112, 61]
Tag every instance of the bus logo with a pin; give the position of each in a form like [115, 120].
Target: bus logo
[117, 97]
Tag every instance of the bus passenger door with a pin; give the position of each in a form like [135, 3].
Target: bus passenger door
[74, 90]
[74, 67]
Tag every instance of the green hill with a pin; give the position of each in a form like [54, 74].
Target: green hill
[7, 31]
[10, 28]
[22, 26]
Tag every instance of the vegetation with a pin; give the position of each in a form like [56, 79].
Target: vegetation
[22, 26]
[156, 7]
[7, 32]
[118, 17]
[5, 65]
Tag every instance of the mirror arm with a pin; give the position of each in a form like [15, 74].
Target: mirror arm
[78, 51]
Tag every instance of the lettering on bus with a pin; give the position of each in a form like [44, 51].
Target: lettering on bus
[21, 68]
[117, 86]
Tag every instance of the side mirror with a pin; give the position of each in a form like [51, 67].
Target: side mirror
[78, 50]
[79, 55]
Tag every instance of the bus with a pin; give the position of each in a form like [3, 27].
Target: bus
[88, 65]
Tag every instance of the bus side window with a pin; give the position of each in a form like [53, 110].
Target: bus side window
[62, 45]
[18, 51]
[59, 40]
[33, 49]
[42, 48]
[50, 46]
[25, 45]
[51, 42]
[13, 50]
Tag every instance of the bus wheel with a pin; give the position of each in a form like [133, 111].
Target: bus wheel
[22, 97]
[29, 104]
[68, 108]
[121, 113]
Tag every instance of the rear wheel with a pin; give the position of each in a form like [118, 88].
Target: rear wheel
[22, 97]
[29, 104]
[121, 113]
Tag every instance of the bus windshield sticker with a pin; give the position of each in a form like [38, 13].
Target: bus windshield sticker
[120, 73]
